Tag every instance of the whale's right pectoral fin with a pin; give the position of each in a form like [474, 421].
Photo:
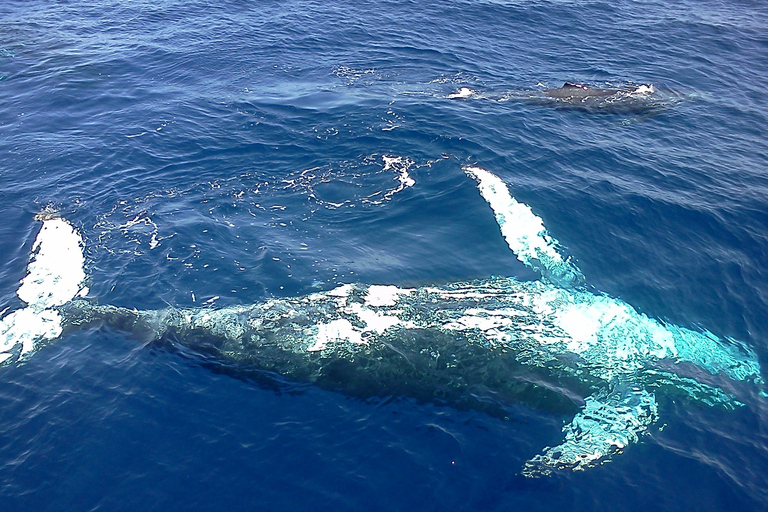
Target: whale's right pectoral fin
[608, 422]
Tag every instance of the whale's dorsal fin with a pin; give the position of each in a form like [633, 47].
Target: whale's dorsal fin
[609, 421]
[525, 233]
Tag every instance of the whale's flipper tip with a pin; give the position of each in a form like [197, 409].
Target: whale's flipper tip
[608, 423]
[55, 276]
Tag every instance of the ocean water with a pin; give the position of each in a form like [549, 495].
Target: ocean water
[214, 154]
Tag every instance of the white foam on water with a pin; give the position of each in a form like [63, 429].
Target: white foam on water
[401, 165]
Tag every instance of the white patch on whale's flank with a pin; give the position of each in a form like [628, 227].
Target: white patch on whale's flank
[380, 295]
[583, 323]
[524, 231]
[335, 331]
[611, 330]
[464, 92]
[375, 321]
[463, 294]
[340, 295]
[340, 291]
[492, 323]
[644, 89]
[55, 275]
[358, 321]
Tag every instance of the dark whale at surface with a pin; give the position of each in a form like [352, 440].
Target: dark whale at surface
[626, 99]
[570, 90]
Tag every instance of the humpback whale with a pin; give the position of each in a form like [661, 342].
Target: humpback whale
[479, 344]
[627, 99]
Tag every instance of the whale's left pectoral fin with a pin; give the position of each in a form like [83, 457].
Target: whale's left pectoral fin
[609, 421]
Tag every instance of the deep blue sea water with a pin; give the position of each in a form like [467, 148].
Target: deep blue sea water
[221, 153]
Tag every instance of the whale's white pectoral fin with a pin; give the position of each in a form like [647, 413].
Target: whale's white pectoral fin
[608, 422]
[55, 272]
[525, 233]
[55, 275]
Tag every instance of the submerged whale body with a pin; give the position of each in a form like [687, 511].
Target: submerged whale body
[479, 344]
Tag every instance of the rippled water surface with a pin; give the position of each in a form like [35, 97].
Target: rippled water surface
[222, 153]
